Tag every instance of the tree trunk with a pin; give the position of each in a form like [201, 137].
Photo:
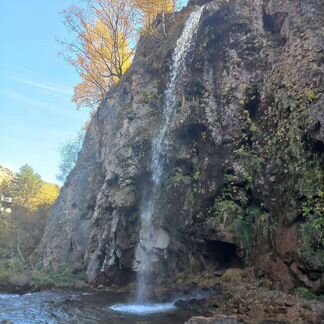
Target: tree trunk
[18, 247]
[163, 24]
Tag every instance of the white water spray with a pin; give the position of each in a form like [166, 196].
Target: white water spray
[150, 236]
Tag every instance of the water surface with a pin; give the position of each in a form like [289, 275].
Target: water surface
[84, 307]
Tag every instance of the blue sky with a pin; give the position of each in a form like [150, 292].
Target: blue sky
[36, 86]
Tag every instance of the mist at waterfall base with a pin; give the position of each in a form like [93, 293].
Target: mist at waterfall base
[148, 233]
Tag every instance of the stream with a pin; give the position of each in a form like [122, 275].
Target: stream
[68, 306]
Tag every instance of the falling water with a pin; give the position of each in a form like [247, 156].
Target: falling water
[149, 234]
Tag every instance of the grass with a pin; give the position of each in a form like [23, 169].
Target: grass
[15, 276]
[233, 276]
[307, 294]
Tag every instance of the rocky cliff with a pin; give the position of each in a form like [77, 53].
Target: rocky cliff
[243, 180]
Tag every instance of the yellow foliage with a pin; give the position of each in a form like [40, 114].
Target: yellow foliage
[30, 192]
[109, 49]
[109, 58]
[46, 196]
[152, 8]
[3, 184]
[100, 52]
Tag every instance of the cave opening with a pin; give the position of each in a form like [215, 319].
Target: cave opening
[273, 23]
[313, 144]
[222, 255]
[185, 165]
[253, 103]
[317, 147]
[191, 132]
[269, 24]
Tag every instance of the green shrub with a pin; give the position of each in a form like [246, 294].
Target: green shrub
[312, 247]
[227, 210]
[10, 266]
[311, 186]
[313, 229]
[307, 294]
[243, 228]
[14, 273]
[196, 176]
[60, 279]
[311, 95]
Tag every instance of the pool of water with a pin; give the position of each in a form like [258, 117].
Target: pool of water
[144, 309]
[89, 307]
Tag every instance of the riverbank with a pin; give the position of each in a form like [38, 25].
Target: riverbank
[236, 293]
[16, 277]
[248, 299]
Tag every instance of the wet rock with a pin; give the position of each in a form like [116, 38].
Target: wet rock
[196, 305]
[219, 273]
[217, 319]
[289, 303]
[272, 322]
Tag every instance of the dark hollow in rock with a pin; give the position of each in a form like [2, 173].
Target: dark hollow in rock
[253, 102]
[185, 165]
[314, 145]
[222, 255]
[191, 132]
[273, 23]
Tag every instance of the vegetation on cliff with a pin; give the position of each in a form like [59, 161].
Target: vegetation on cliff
[105, 37]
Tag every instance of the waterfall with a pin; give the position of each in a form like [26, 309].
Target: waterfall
[150, 236]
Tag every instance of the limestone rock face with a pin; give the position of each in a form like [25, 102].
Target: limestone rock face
[244, 174]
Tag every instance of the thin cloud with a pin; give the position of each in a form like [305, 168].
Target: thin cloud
[55, 89]
[29, 103]
[19, 70]
[34, 105]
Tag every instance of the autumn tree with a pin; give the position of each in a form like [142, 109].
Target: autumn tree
[25, 186]
[32, 199]
[30, 192]
[105, 37]
[151, 9]
[101, 51]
